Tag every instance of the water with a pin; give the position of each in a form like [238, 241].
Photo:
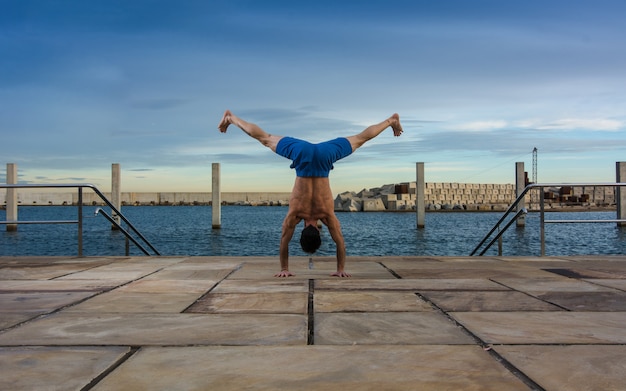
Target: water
[250, 231]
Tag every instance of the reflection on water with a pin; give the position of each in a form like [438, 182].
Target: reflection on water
[186, 230]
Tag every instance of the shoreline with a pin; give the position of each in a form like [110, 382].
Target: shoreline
[551, 208]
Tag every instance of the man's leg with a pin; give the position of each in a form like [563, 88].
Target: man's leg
[372, 131]
[250, 129]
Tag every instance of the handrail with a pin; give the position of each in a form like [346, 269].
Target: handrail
[541, 186]
[79, 221]
[501, 232]
[118, 226]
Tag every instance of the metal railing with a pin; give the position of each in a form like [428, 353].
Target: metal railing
[542, 221]
[79, 219]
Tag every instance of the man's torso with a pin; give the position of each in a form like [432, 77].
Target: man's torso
[311, 199]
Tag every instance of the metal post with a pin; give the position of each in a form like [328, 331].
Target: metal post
[542, 222]
[80, 221]
[11, 197]
[500, 243]
[620, 193]
[216, 197]
[116, 194]
[520, 185]
[420, 208]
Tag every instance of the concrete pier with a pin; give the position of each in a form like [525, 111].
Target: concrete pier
[420, 187]
[116, 192]
[216, 197]
[520, 185]
[620, 196]
[11, 197]
[400, 323]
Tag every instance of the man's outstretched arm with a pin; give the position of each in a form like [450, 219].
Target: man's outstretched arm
[249, 128]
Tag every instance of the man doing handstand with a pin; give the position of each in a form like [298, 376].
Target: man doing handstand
[311, 198]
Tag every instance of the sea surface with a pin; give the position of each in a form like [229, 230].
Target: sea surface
[255, 231]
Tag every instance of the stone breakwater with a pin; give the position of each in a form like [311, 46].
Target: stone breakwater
[468, 196]
[392, 197]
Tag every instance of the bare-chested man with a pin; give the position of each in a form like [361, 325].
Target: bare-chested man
[311, 197]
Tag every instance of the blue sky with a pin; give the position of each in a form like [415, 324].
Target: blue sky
[478, 85]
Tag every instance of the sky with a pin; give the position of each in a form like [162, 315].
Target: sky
[477, 84]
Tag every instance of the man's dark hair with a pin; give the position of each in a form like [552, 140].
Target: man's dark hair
[310, 239]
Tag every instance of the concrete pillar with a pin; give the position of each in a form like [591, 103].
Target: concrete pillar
[520, 185]
[11, 196]
[116, 192]
[420, 187]
[216, 197]
[620, 195]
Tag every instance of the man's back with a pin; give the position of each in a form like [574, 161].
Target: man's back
[311, 198]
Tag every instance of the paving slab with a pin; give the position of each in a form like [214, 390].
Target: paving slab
[189, 273]
[160, 329]
[387, 328]
[617, 284]
[545, 285]
[470, 260]
[168, 286]
[137, 302]
[126, 276]
[368, 301]
[58, 285]
[252, 303]
[595, 258]
[588, 272]
[317, 268]
[128, 269]
[474, 267]
[210, 262]
[571, 368]
[54, 368]
[18, 272]
[264, 269]
[551, 260]
[458, 272]
[267, 286]
[546, 327]
[587, 301]
[12, 318]
[312, 368]
[464, 301]
[410, 284]
[40, 301]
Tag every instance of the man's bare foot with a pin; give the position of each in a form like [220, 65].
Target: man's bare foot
[225, 122]
[341, 274]
[284, 273]
[395, 125]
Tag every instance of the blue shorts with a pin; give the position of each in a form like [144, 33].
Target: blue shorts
[313, 160]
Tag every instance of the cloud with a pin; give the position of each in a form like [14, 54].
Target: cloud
[597, 124]
[589, 124]
[479, 126]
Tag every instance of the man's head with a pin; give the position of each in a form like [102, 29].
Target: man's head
[310, 239]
